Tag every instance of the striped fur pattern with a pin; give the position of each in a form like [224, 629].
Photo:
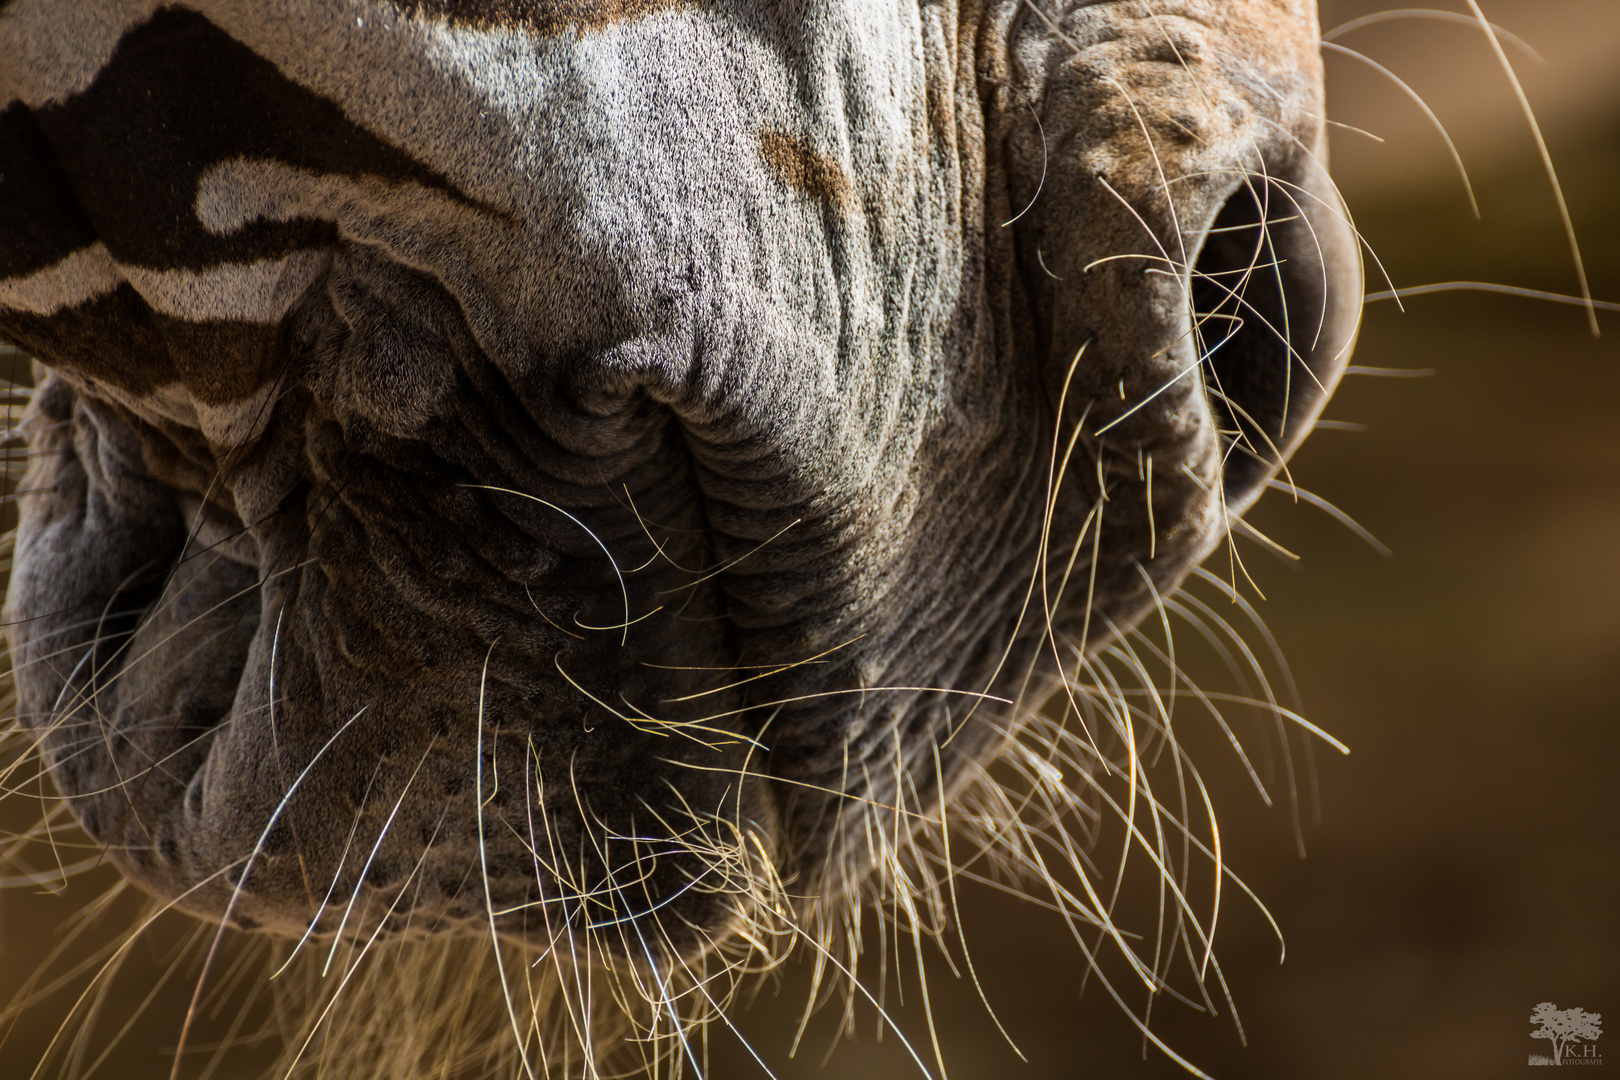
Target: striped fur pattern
[602, 477]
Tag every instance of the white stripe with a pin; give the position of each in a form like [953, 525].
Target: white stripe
[82, 276]
[51, 49]
[257, 292]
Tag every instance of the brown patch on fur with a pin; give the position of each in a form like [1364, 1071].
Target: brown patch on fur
[547, 18]
[798, 164]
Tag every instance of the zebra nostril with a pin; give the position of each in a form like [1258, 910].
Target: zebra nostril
[1275, 295]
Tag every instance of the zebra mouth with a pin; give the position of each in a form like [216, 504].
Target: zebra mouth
[254, 772]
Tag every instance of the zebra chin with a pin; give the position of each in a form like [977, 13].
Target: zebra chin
[202, 726]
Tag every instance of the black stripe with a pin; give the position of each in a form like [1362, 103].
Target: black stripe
[112, 338]
[179, 96]
[40, 222]
[117, 340]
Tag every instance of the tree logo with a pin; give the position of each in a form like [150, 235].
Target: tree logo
[1572, 1033]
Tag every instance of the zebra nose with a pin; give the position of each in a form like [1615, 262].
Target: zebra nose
[1273, 302]
[1210, 306]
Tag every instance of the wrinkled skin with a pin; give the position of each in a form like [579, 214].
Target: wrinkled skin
[658, 430]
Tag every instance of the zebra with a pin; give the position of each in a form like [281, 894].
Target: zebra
[595, 484]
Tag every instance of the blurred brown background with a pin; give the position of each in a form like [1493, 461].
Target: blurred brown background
[1466, 860]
